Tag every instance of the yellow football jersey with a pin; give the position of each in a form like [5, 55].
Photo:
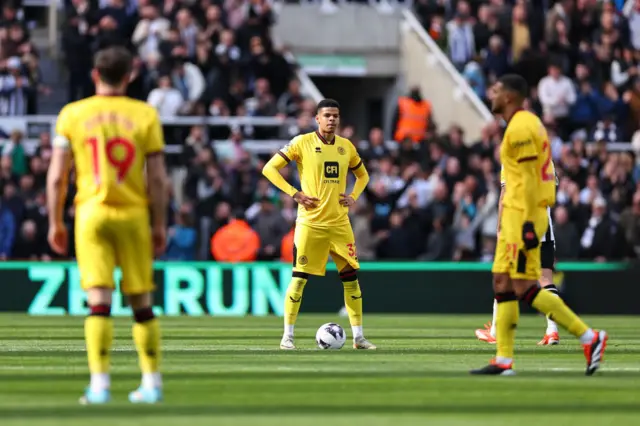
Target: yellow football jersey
[525, 139]
[323, 167]
[110, 137]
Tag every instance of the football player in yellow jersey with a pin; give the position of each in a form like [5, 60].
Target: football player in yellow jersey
[547, 261]
[112, 139]
[322, 227]
[529, 191]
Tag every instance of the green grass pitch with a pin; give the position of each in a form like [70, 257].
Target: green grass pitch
[229, 371]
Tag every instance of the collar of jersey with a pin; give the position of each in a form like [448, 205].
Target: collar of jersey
[324, 140]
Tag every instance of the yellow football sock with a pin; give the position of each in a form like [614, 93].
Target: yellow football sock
[553, 306]
[352, 298]
[98, 334]
[146, 336]
[506, 323]
[293, 298]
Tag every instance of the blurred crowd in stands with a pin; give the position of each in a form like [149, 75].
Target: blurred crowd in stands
[203, 57]
[431, 198]
[580, 57]
[20, 77]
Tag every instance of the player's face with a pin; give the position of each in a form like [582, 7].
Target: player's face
[328, 119]
[497, 98]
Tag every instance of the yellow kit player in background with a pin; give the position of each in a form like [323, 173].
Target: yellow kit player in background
[322, 228]
[526, 158]
[112, 139]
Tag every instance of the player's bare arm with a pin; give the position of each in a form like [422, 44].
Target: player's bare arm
[57, 183]
[159, 196]
[271, 171]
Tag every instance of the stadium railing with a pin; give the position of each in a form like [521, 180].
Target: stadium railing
[33, 125]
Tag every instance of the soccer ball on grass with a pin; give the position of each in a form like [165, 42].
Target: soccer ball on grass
[330, 336]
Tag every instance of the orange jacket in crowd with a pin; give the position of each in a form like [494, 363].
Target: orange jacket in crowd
[286, 247]
[235, 242]
[413, 119]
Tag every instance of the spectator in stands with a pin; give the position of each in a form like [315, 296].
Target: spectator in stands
[597, 239]
[460, 36]
[566, 235]
[165, 98]
[630, 225]
[290, 102]
[412, 118]
[557, 95]
[149, 31]
[235, 241]
[15, 151]
[271, 228]
[182, 236]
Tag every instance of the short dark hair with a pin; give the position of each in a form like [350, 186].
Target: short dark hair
[327, 103]
[113, 64]
[515, 83]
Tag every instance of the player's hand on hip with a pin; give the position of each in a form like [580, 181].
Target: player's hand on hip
[529, 236]
[159, 238]
[58, 239]
[347, 200]
[306, 201]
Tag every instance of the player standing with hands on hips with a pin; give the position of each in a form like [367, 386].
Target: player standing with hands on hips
[117, 146]
[525, 155]
[322, 227]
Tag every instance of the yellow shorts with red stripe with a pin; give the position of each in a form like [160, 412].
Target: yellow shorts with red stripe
[312, 247]
[510, 256]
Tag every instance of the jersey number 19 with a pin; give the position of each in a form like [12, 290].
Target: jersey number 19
[120, 154]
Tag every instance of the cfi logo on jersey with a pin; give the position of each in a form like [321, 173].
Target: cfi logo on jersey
[341, 150]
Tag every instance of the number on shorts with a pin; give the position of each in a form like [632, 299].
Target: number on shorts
[512, 250]
[351, 249]
[546, 150]
[120, 153]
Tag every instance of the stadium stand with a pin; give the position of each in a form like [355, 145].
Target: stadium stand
[431, 200]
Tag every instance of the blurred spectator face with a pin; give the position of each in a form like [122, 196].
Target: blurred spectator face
[45, 140]
[455, 136]
[474, 162]
[495, 43]
[484, 13]
[149, 12]
[6, 163]
[9, 13]
[257, 48]
[561, 215]
[304, 122]
[610, 91]
[173, 35]
[36, 165]
[599, 207]
[204, 157]
[213, 14]
[262, 87]
[582, 72]
[395, 220]
[227, 38]
[470, 184]
[347, 132]
[266, 205]
[164, 82]
[606, 20]
[10, 191]
[519, 13]
[26, 183]
[16, 136]
[592, 182]
[463, 9]
[561, 28]
[29, 230]
[453, 166]
[16, 33]
[107, 23]
[376, 137]
[440, 192]
[183, 18]
[197, 133]
[294, 87]
[435, 152]
[223, 211]
[554, 72]
[385, 165]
